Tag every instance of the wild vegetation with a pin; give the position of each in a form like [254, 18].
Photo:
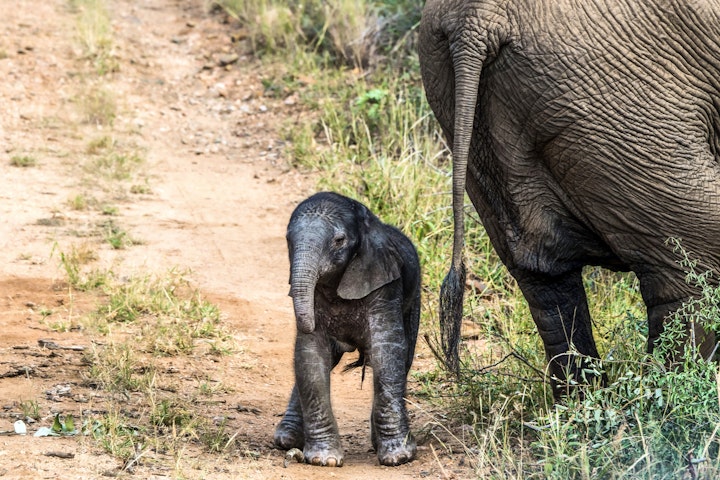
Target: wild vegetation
[372, 137]
[138, 320]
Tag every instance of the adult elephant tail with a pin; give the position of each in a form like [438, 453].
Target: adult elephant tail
[467, 63]
[455, 38]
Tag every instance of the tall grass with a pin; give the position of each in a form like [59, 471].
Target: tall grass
[353, 33]
[95, 34]
[373, 138]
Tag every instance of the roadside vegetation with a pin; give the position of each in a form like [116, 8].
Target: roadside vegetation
[369, 134]
[372, 136]
[143, 411]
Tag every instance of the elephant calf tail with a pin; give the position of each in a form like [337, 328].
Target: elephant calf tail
[360, 362]
[451, 312]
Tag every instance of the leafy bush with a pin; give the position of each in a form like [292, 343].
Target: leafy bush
[656, 418]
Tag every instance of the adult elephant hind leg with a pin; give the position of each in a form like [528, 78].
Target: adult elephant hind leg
[559, 308]
[660, 312]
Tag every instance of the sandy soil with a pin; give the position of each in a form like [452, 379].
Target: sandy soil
[217, 206]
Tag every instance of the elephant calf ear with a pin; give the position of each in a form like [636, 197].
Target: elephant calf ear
[369, 270]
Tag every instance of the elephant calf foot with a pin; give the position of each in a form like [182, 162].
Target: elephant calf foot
[397, 450]
[289, 435]
[324, 454]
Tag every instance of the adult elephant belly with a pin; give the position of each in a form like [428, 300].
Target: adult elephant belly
[570, 168]
[533, 222]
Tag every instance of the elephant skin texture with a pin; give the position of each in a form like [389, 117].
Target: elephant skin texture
[585, 132]
[355, 284]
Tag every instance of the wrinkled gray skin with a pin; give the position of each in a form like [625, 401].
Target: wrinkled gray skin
[586, 132]
[355, 283]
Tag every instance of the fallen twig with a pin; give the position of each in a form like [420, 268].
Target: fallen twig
[52, 345]
[65, 455]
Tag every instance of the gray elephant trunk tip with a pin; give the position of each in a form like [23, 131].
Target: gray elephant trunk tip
[451, 313]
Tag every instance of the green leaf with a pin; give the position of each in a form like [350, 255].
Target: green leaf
[57, 426]
[69, 426]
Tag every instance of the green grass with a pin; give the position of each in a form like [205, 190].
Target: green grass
[372, 137]
[171, 317]
[97, 105]
[79, 202]
[116, 434]
[101, 144]
[142, 320]
[74, 263]
[94, 33]
[30, 409]
[23, 161]
[343, 32]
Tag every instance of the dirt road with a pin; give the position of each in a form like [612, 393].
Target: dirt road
[212, 199]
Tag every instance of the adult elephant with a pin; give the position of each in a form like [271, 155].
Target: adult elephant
[586, 132]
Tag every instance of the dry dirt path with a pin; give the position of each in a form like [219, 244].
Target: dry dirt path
[217, 204]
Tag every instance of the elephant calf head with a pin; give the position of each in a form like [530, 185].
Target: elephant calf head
[333, 241]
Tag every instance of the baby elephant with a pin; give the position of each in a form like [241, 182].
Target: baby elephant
[355, 284]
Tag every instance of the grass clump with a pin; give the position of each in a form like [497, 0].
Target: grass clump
[23, 161]
[95, 35]
[79, 202]
[116, 236]
[143, 189]
[115, 165]
[173, 318]
[118, 368]
[101, 144]
[30, 409]
[116, 434]
[73, 263]
[109, 210]
[98, 106]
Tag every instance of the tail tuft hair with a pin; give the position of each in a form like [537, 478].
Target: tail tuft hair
[360, 362]
[451, 314]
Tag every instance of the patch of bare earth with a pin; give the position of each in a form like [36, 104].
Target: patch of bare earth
[216, 205]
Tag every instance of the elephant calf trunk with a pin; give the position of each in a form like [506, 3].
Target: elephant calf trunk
[304, 312]
[304, 276]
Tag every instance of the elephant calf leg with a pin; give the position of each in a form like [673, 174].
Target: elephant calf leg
[390, 432]
[289, 432]
[390, 429]
[315, 356]
[393, 448]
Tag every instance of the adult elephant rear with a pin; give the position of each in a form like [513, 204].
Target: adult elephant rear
[586, 132]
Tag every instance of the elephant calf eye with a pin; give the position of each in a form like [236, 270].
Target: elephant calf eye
[339, 241]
